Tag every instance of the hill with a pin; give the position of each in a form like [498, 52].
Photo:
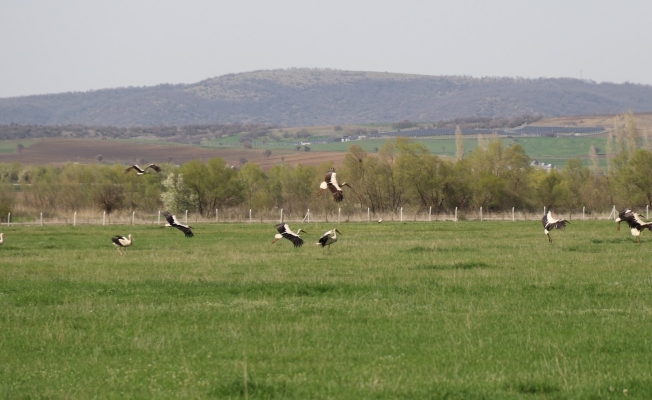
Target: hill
[309, 97]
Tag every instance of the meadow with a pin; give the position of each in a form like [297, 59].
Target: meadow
[555, 150]
[455, 310]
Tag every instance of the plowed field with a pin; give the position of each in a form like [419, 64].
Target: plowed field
[57, 151]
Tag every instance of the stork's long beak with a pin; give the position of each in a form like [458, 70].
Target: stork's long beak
[345, 184]
[319, 193]
[274, 241]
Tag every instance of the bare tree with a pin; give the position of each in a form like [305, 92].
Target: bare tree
[109, 197]
[267, 153]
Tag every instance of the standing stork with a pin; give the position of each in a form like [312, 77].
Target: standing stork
[330, 183]
[635, 222]
[284, 231]
[141, 171]
[173, 221]
[2, 238]
[549, 223]
[121, 241]
[328, 238]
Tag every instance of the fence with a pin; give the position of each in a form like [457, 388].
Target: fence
[239, 215]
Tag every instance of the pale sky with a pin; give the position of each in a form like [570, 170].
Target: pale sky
[49, 46]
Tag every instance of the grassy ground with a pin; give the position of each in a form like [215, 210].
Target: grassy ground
[555, 150]
[464, 310]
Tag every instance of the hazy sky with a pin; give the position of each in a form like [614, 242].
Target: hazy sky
[78, 45]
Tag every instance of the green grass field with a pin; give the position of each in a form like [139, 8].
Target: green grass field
[466, 310]
[9, 146]
[555, 150]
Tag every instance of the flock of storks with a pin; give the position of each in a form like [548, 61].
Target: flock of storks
[633, 219]
[284, 231]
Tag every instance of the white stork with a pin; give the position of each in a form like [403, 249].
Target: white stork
[2, 238]
[173, 221]
[284, 231]
[141, 171]
[624, 215]
[328, 238]
[330, 183]
[635, 222]
[549, 223]
[121, 241]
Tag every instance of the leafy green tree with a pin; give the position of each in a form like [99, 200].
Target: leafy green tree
[636, 177]
[177, 197]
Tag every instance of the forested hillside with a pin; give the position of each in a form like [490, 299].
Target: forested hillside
[307, 97]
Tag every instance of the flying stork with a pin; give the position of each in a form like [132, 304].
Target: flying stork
[284, 231]
[625, 215]
[328, 238]
[549, 223]
[141, 171]
[635, 222]
[121, 241]
[173, 221]
[330, 183]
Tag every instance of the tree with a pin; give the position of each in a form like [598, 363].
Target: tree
[459, 144]
[636, 177]
[267, 153]
[177, 197]
[109, 197]
[254, 182]
[20, 148]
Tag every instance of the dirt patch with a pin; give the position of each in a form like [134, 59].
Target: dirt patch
[84, 151]
[642, 120]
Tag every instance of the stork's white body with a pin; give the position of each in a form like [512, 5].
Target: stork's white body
[122, 242]
[328, 238]
[2, 238]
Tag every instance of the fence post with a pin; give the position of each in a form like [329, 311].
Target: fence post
[158, 221]
[368, 215]
[513, 215]
[217, 219]
[339, 211]
[401, 214]
[186, 217]
[455, 214]
[480, 214]
[281, 215]
[103, 218]
[583, 209]
[308, 215]
[9, 219]
[646, 211]
[430, 214]
[250, 215]
[41, 219]
[133, 216]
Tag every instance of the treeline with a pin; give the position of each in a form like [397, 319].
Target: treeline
[401, 174]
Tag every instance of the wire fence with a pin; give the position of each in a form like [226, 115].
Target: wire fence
[239, 215]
